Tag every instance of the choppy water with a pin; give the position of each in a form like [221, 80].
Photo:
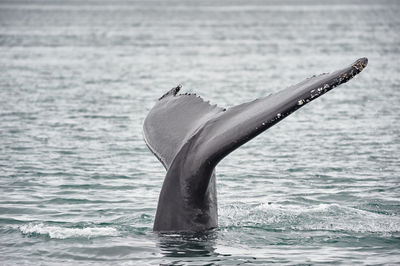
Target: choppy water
[78, 185]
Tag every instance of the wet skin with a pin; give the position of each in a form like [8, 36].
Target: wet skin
[190, 137]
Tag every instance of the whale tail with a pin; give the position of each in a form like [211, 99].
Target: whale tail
[214, 132]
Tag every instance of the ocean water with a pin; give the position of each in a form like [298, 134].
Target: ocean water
[79, 186]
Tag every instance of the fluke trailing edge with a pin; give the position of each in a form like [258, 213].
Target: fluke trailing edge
[190, 137]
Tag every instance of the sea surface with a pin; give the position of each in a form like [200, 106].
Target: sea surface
[78, 185]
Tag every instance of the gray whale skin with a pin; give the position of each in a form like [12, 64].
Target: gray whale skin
[190, 137]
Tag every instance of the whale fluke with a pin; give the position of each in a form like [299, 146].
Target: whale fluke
[173, 120]
[190, 137]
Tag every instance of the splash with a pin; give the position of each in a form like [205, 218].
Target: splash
[58, 232]
[321, 217]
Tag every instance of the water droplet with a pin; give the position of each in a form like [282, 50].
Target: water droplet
[300, 102]
[279, 114]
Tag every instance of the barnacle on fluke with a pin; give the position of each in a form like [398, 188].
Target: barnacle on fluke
[173, 91]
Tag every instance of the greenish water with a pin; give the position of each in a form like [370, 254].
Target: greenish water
[79, 186]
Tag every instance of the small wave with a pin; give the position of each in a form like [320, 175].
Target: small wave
[58, 232]
[325, 217]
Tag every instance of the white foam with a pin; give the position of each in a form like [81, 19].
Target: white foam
[331, 217]
[59, 232]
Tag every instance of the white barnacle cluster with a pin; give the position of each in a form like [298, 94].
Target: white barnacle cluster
[278, 115]
[359, 66]
[318, 91]
[313, 93]
[300, 102]
[348, 76]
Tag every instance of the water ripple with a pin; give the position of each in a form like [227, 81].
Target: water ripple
[78, 184]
